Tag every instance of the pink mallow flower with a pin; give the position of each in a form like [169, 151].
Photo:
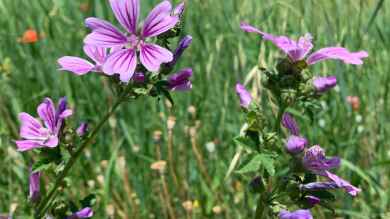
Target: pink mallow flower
[298, 214]
[123, 60]
[299, 50]
[316, 162]
[36, 135]
[34, 186]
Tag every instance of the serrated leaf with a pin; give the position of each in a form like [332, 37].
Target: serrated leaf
[245, 142]
[258, 161]
[253, 165]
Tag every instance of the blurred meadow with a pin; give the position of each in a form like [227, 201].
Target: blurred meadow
[195, 135]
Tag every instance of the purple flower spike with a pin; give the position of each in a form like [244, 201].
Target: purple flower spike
[180, 81]
[323, 84]
[312, 200]
[315, 161]
[34, 186]
[83, 213]
[245, 96]
[123, 61]
[295, 144]
[34, 134]
[82, 129]
[183, 45]
[81, 66]
[298, 214]
[289, 122]
[299, 50]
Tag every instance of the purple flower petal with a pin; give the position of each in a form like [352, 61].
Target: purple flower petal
[244, 95]
[31, 128]
[122, 62]
[47, 112]
[340, 53]
[312, 200]
[289, 123]
[315, 161]
[127, 13]
[183, 45]
[83, 213]
[179, 9]
[97, 54]
[295, 144]
[82, 129]
[180, 81]
[250, 29]
[138, 77]
[159, 20]
[341, 183]
[318, 186]
[152, 55]
[303, 47]
[104, 34]
[299, 214]
[323, 84]
[76, 65]
[25, 145]
[34, 186]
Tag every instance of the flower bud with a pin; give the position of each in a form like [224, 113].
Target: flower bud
[295, 144]
[311, 201]
[256, 185]
[180, 81]
[244, 95]
[323, 84]
[138, 77]
[34, 186]
[82, 129]
[183, 45]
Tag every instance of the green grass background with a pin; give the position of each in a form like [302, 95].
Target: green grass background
[220, 55]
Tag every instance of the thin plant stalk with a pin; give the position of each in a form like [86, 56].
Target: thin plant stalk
[42, 207]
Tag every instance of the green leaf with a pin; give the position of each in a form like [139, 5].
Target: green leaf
[323, 195]
[41, 165]
[245, 142]
[88, 201]
[258, 161]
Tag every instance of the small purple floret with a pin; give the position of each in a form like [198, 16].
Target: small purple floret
[180, 81]
[323, 84]
[298, 214]
[244, 95]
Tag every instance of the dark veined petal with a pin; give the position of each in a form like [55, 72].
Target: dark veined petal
[152, 55]
[25, 145]
[289, 122]
[244, 95]
[31, 128]
[127, 13]
[122, 62]
[46, 111]
[298, 214]
[97, 54]
[159, 20]
[103, 34]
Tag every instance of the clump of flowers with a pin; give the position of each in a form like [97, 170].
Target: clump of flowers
[137, 60]
[309, 175]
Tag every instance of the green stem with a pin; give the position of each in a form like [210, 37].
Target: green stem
[260, 209]
[41, 209]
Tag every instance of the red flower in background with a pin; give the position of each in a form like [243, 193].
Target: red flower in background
[354, 101]
[29, 36]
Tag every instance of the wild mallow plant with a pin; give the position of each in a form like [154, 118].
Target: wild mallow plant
[289, 190]
[138, 62]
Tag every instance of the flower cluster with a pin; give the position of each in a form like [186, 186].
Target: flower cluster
[291, 84]
[136, 58]
[130, 54]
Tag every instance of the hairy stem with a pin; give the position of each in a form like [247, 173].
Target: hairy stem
[42, 207]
